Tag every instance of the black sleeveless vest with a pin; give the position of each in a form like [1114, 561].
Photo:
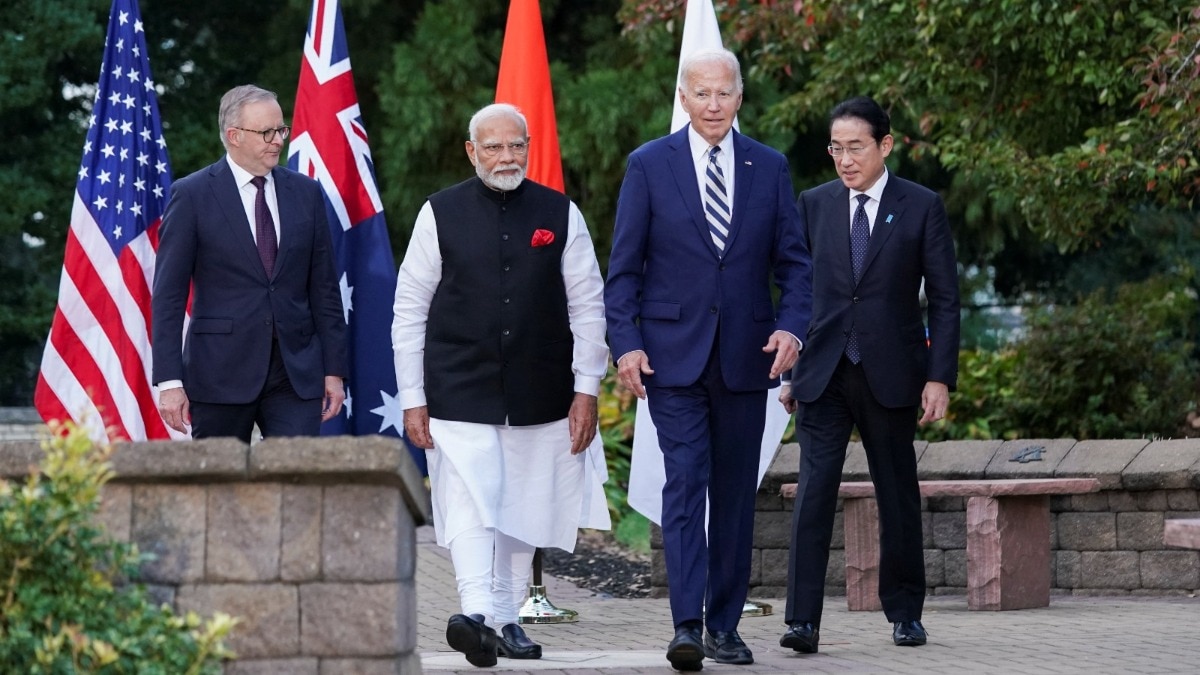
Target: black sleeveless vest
[498, 344]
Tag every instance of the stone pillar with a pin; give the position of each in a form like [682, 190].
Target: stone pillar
[861, 518]
[1007, 556]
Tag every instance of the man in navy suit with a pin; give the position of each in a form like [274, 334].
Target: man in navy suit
[250, 241]
[704, 219]
[877, 242]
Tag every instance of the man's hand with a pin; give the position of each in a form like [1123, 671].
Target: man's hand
[335, 395]
[175, 408]
[935, 400]
[416, 427]
[630, 369]
[582, 422]
[785, 397]
[786, 349]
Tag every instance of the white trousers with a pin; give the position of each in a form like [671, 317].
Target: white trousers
[492, 570]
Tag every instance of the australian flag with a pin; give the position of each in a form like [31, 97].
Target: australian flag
[329, 144]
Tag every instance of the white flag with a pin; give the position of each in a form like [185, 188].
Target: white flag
[646, 472]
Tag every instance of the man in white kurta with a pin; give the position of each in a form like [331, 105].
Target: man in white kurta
[499, 346]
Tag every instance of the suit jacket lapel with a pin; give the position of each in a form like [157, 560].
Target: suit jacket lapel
[839, 198]
[683, 167]
[229, 200]
[891, 208]
[286, 202]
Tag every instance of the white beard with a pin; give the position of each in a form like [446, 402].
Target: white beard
[503, 183]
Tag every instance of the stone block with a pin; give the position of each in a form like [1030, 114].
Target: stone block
[381, 458]
[352, 620]
[838, 536]
[1008, 552]
[1103, 460]
[361, 667]
[115, 514]
[300, 541]
[770, 501]
[1087, 531]
[1110, 570]
[1182, 532]
[926, 529]
[772, 529]
[756, 567]
[949, 530]
[1029, 458]
[269, 616]
[782, 469]
[161, 594]
[835, 571]
[1068, 569]
[204, 459]
[299, 666]
[949, 460]
[862, 554]
[774, 567]
[656, 539]
[935, 567]
[169, 522]
[1139, 531]
[358, 533]
[945, 504]
[243, 526]
[1171, 569]
[1095, 501]
[954, 562]
[1120, 501]
[19, 459]
[407, 604]
[1183, 500]
[1152, 500]
[855, 467]
[1163, 465]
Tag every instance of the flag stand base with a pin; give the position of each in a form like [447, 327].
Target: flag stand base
[539, 609]
[755, 608]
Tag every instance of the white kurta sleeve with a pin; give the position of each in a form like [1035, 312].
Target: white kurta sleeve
[418, 279]
[585, 305]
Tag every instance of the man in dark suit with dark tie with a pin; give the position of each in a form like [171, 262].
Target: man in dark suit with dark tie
[877, 242]
[705, 218]
[266, 340]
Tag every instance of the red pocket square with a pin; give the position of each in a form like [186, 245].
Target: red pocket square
[542, 238]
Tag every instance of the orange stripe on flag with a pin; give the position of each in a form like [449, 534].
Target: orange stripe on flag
[524, 81]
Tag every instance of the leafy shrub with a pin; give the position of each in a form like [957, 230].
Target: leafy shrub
[62, 607]
[1114, 365]
[980, 407]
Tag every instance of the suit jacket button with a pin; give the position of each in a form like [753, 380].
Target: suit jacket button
[712, 310]
[856, 299]
[504, 332]
[504, 237]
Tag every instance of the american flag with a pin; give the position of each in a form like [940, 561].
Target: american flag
[96, 366]
[329, 144]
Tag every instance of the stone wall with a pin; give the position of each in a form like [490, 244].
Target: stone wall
[311, 542]
[1106, 543]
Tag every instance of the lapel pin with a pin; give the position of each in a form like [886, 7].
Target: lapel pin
[749, 163]
[889, 218]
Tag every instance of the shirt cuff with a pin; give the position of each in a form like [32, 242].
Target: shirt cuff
[586, 384]
[169, 384]
[411, 398]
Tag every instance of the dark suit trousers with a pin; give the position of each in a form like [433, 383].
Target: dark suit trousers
[278, 411]
[823, 429]
[710, 439]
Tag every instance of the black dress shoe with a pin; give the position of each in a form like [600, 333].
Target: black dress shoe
[908, 634]
[727, 647]
[516, 645]
[469, 635]
[802, 637]
[686, 652]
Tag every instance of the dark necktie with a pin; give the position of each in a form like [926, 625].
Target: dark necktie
[860, 236]
[264, 227]
[716, 202]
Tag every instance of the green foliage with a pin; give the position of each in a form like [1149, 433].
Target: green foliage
[633, 532]
[979, 408]
[1114, 365]
[60, 608]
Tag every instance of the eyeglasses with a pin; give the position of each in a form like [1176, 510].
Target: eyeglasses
[518, 148]
[837, 150]
[268, 135]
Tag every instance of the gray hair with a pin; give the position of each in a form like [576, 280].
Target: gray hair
[493, 111]
[706, 56]
[234, 101]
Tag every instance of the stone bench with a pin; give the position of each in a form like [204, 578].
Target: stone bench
[1008, 538]
[1184, 533]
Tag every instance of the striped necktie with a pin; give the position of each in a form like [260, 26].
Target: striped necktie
[716, 201]
[860, 236]
[264, 227]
